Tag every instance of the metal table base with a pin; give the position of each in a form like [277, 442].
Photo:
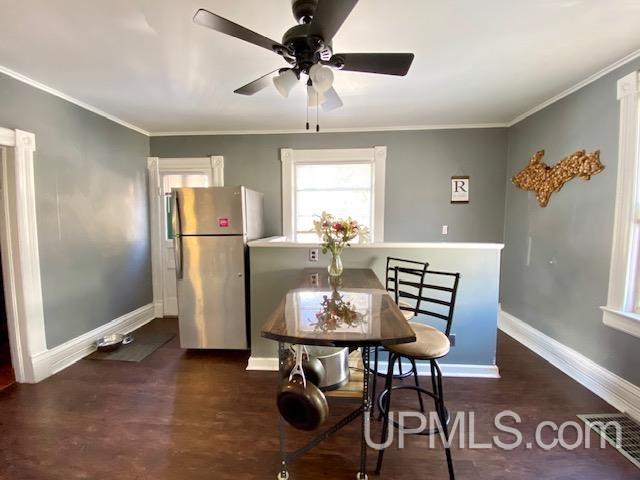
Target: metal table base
[362, 411]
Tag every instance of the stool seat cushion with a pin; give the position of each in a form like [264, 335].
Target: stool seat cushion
[430, 343]
[408, 314]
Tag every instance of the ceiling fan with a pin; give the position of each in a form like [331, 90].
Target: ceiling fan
[308, 49]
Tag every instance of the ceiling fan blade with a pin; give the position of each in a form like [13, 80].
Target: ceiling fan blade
[257, 85]
[331, 100]
[329, 17]
[385, 63]
[211, 20]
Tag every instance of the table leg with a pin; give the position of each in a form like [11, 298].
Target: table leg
[284, 473]
[366, 406]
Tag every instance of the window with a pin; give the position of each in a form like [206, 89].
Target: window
[345, 183]
[623, 302]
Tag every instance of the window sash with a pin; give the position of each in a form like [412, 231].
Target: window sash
[367, 221]
[376, 157]
[623, 295]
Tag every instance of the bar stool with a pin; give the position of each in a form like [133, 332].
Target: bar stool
[440, 290]
[403, 279]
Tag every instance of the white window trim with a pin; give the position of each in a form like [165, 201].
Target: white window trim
[154, 166]
[619, 312]
[377, 156]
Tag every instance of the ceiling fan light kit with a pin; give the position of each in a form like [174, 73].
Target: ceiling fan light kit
[321, 78]
[314, 98]
[308, 49]
[285, 81]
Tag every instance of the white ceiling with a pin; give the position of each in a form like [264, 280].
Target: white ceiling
[477, 62]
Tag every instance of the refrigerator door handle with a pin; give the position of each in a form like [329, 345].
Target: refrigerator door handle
[177, 237]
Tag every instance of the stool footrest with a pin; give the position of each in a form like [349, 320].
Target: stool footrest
[425, 432]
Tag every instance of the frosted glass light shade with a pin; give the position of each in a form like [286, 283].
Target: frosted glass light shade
[321, 77]
[314, 98]
[285, 82]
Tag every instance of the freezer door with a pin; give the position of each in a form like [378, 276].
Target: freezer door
[210, 211]
[211, 293]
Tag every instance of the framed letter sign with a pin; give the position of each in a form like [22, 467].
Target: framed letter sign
[460, 189]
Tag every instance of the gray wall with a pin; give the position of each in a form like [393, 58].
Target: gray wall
[418, 170]
[92, 210]
[560, 292]
[276, 270]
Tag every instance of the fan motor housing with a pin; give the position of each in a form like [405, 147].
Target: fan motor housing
[303, 10]
[307, 49]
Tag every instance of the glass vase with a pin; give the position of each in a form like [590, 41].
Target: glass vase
[335, 267]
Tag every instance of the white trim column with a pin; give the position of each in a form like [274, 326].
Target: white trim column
[156, 234]
[217, 171]
[21, 257]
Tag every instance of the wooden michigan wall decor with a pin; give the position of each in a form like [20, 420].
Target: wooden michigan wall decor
[543, 180]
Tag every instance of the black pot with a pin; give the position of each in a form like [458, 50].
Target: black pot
[304, 408]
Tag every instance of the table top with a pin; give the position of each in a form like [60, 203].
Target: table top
[353, 311]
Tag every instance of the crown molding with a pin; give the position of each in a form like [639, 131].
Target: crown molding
[628, 58]
[332, 130]
[601, 73]
[41, 86]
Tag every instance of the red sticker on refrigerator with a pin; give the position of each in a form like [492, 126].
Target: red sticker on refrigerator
[223, 222]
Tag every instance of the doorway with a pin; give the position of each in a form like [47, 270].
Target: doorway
[7, 375]
[164, 175]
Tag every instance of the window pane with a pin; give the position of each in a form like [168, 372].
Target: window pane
[343, 189]
[333, 176]
[341, 204]
[184, 180]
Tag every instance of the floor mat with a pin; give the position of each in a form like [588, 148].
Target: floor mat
[142, 346]
[625, 438]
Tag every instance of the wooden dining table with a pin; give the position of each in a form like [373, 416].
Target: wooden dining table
[353, 310]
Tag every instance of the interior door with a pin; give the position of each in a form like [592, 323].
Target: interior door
[175, 177]
[211, 286]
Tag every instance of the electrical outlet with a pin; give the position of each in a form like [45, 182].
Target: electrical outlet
[452, 339]
[445, 229]
[313, 255]
[315, 279]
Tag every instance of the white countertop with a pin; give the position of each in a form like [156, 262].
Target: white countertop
[282, 242]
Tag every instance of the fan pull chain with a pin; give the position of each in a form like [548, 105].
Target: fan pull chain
[317, 113]
[307, 102]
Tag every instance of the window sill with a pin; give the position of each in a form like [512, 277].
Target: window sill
[627, 322]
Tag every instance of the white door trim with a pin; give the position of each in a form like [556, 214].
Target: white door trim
[20, 254]
[154, 165]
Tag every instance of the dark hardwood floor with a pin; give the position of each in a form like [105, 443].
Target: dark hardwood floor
[6, 370]
[199, 415]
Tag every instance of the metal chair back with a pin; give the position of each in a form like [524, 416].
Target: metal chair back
[436, 297]
[404, 279]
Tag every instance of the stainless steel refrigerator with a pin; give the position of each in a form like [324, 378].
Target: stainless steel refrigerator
[211, 229]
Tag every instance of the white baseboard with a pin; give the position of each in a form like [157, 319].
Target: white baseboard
[613, 389]
[58, 358]
[448, 369]
[158, 309]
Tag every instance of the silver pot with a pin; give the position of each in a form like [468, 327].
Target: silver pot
[336, 366]
[113, 342]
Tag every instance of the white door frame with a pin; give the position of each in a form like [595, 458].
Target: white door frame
[20, 254]
[155, 205]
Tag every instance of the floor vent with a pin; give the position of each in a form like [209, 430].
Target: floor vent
[620, 431]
